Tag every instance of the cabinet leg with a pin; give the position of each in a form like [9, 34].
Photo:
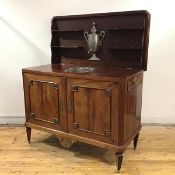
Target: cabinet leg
[136, 140]
[119, 158]
[28, 131]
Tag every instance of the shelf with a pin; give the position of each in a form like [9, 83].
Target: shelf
[66, 47]
[129, 28]
[112, 29]
[74, 30]
[124, 48]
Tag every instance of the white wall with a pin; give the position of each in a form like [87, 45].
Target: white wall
[25, 39]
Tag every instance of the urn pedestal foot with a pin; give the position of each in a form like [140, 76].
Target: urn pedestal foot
[94, 57]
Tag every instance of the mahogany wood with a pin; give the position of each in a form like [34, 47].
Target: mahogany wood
[101, 108]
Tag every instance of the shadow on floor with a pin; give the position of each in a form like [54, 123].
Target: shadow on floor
[84, 151]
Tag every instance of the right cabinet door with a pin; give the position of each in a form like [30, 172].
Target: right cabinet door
[93, 109]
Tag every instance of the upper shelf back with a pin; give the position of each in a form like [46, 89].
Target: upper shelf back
[125, 44]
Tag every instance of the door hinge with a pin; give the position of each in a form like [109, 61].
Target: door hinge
[108, 92]
[107, 133]
[30, 82]
[75, 88]
[56, 121]
[55, 86]
[75, 125]
[32, 114]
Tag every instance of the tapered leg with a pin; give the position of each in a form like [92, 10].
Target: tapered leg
[28, 131]
[119, 158]
[136, 140]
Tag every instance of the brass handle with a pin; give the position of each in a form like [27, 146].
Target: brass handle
[61, 105]
[70, 103]
[135, 81]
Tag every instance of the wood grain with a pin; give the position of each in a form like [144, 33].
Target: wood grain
[155, 154]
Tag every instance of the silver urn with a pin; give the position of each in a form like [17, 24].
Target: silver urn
[94, 41]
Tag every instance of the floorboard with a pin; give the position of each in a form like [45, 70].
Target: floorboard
[155, 154]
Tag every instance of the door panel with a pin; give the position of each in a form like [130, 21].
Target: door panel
[45, 101]
[93, 109]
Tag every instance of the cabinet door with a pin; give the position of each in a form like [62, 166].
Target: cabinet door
[45, 100]
[93, 109]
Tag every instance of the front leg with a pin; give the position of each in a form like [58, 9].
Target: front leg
[28, 131]
[119, 158]
[136, 140]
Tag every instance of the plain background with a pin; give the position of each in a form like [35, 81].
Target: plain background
[25, 41]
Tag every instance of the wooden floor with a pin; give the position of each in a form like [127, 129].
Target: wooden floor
[155, 155]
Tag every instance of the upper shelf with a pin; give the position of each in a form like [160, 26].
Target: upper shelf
[124, 48]
[125, 43]
[108, 29]
[73, 30]
[125, 28]
[66, 47]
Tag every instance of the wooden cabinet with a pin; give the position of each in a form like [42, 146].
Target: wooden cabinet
[102, 107]
[105, 113]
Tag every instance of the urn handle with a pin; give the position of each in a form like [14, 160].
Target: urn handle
[86, 35]
[102, 34]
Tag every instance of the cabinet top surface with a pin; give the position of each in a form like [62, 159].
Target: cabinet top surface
[100, 72]
[125, 44]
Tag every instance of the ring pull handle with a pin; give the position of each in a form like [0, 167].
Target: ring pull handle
[135, 81]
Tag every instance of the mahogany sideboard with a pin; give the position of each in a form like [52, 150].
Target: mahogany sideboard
[102, 107]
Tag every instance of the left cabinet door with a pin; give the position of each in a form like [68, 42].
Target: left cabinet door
[45, 100]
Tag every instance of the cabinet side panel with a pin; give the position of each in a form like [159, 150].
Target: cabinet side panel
[26, 96]
[132, 120]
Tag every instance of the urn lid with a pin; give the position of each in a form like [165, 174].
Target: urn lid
[125, 44]
[93, 30]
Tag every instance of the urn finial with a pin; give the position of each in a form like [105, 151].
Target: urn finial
[93, 30]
